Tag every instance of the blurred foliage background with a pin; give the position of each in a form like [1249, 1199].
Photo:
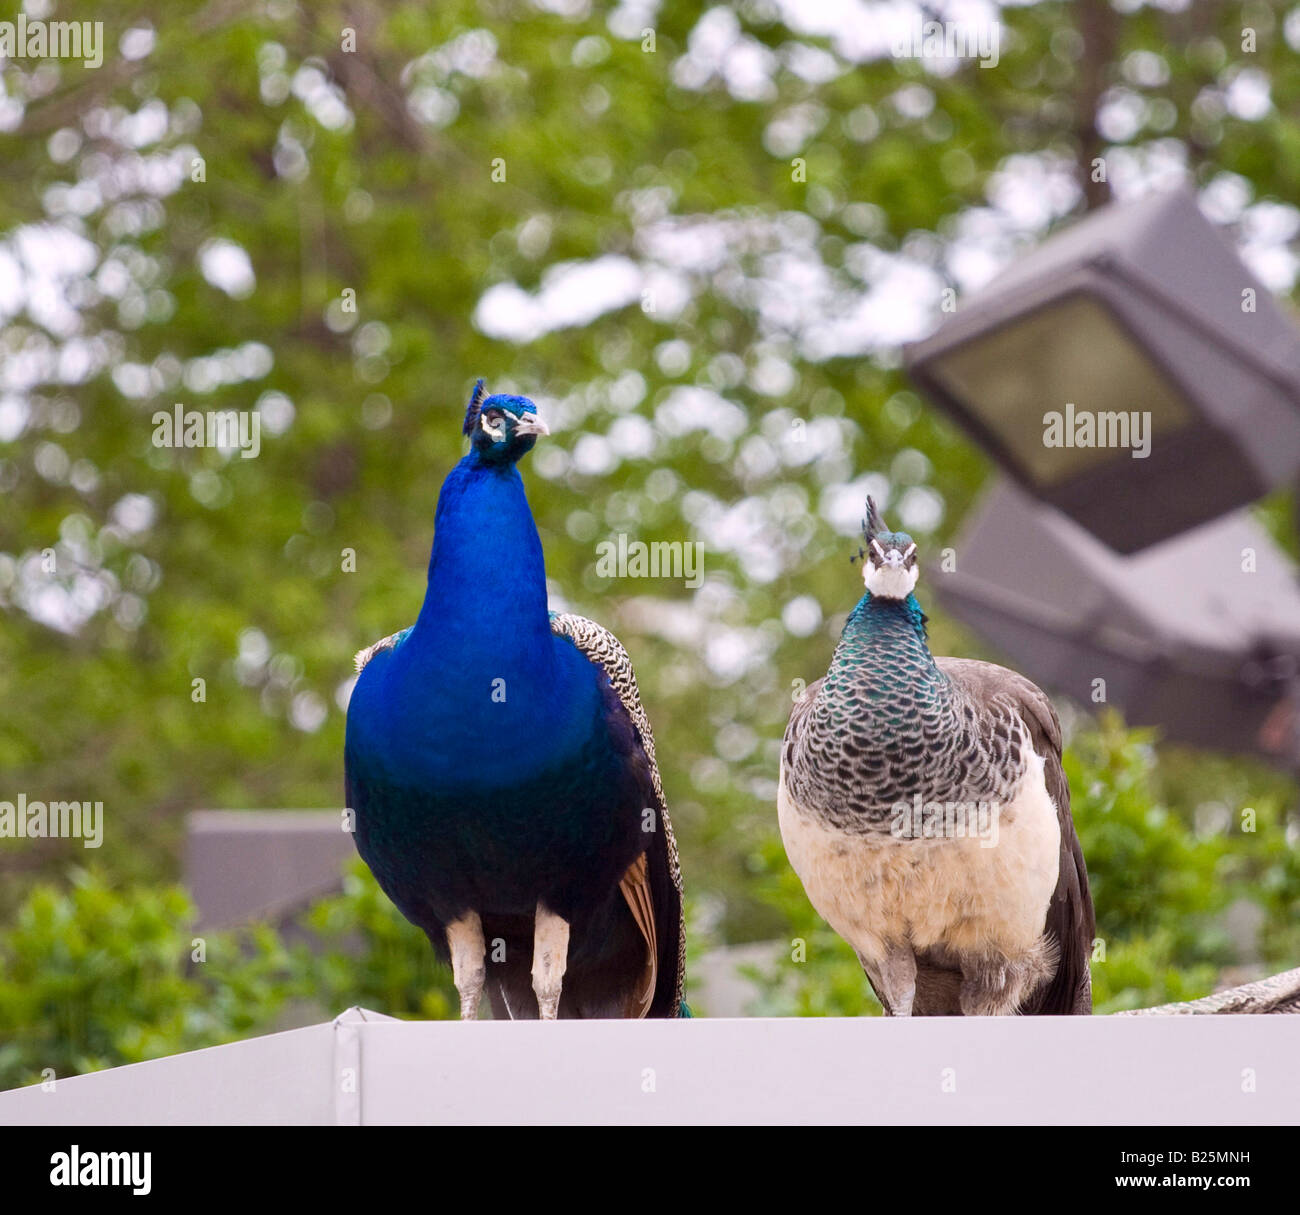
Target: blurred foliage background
[696, 236]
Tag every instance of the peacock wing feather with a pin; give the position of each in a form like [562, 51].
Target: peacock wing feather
[660, 919]
[387, 643]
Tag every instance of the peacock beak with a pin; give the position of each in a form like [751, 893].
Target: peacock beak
[532, 425]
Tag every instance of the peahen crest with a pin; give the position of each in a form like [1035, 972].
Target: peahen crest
[872, 526]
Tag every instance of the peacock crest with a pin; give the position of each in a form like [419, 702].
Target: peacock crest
[475, 407]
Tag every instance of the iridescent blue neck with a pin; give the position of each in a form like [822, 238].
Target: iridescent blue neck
[498, 699]
[487, 577]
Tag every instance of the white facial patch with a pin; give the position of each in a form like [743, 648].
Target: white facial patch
[889, 581]
[497, 433]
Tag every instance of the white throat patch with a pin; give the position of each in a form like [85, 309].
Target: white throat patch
[889, 581]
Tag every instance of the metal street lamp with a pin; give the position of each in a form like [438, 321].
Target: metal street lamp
[1130, 371]
[1199, 635]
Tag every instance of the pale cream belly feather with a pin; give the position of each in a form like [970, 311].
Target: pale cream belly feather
[878, 891]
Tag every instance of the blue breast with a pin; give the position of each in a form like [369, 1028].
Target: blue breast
[480, 761]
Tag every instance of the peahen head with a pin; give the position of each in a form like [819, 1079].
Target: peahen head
[501, 428]
[889, 567]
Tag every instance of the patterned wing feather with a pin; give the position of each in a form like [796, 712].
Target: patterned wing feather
[601, 647]
[1070, 916]
[387, 643]
[800, 715]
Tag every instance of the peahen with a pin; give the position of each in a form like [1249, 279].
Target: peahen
[923, 805]
[502, 771]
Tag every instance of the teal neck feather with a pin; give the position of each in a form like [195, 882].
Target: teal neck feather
[893, 627]
[882, 665]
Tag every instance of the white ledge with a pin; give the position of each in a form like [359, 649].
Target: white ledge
[364, 1068]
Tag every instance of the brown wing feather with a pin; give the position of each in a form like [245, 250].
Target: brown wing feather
[636, 893]
[1070, 916]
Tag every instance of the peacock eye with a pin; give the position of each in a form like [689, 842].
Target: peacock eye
[493, 415]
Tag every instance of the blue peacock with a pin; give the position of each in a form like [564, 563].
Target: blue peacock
[923, 804]
[501, 768]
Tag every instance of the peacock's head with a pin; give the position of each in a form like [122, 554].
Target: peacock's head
[501, 428]
[889, 567]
